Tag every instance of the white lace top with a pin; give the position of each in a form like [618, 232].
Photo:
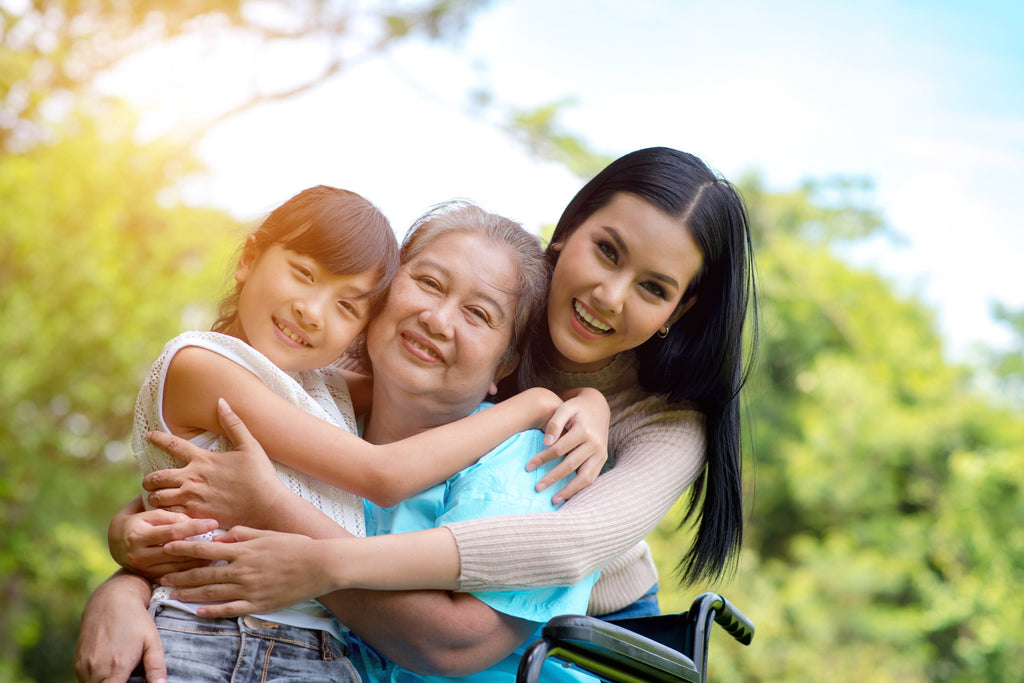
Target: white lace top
[322, 393]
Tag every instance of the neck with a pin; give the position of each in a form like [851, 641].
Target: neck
[561, 363]
[397, 415]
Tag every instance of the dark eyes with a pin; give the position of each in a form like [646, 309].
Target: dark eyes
[608, 251]
[655, 289]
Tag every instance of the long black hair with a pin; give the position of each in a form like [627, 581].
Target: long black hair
[701, 360]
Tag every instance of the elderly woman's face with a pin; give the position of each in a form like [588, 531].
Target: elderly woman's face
[448, 320]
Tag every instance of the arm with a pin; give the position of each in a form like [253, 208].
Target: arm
[660, 453]
[427, 631]
[385, 474]
[117, 633]
[431, 632]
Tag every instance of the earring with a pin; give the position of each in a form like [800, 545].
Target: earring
[663, 332]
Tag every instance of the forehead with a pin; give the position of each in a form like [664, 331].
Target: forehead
[655, 240]
[474, 263]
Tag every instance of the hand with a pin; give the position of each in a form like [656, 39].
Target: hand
[253, 578]
[234, 487]
[136, 538]
[117, 633]
[578, 431]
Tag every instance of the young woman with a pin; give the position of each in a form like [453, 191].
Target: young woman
[651, 287]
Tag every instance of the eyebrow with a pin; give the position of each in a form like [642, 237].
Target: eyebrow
[621, 245]
[476, 292]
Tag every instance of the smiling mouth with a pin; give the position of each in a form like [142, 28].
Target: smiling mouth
[588, 321]
[428, 350]
[291, 335]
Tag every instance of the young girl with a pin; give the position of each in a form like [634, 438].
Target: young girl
[308, 281]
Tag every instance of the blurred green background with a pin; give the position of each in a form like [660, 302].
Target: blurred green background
[886, 519]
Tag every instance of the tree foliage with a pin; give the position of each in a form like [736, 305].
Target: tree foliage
[97, 272]
[883, 539]
[52, 51]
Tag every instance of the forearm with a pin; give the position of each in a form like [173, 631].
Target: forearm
[598, 524]
[430, 632]
[122, 588]
[426, 559]
[288, 512]
[399, 469]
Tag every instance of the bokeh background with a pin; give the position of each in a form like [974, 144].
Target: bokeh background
[880, 149]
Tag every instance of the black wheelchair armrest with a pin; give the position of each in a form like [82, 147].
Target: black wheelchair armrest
[669, 648]
[601, 647]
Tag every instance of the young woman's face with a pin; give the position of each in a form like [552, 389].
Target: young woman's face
[447, 322]
[620, 277]
[296, 312]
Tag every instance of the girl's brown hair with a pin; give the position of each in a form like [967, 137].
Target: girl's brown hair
[342, 230]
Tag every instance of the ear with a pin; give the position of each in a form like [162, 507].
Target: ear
[556, 247]
[246, 260]
[504, 370]
[680, 309]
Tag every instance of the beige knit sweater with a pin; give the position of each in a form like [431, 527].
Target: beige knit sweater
[656, 451]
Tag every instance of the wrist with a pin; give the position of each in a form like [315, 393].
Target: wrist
[545, 403]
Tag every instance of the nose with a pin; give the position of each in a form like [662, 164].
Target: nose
[309, 311]
[439, 320]
[610, 293]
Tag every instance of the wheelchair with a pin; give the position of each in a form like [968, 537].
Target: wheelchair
[671, 647]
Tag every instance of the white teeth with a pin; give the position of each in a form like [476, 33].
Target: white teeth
[292, 335]
[591, 321]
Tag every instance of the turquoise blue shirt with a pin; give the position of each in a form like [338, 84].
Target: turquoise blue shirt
[498, 484]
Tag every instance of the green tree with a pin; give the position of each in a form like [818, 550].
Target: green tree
[96, 273]
[882, 543]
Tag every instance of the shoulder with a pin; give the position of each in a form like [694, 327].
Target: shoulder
[499, 483]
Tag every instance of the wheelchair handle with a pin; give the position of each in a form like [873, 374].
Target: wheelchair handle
[726, 615]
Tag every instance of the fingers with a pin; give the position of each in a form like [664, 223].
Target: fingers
[242, 533]
[178, 448]
[556, 425]
[200, 550]
[180, 530]
[163, 479]
[233, 426]
[173, 500]
[557, 473]
[575, 485]
[234, 608]
[153, 660]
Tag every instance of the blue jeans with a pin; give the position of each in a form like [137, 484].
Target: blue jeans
[645, 606]
[198, 649]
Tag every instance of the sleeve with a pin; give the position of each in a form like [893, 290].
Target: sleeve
[660, 454]
[500, 485]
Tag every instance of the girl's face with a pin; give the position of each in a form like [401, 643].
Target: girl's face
[620, 277]
[447, 322]
[296, 312]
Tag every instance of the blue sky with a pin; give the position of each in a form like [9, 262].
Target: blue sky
[925, 98]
